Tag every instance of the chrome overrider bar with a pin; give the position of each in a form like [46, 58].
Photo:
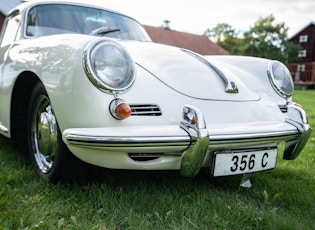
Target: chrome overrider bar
[297, 117]
[191, 140]
[193, 122]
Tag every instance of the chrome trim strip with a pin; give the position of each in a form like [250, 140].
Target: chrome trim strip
[252, 136]
[230, 86]
[145, 110]
[178, 141]
[124, 141]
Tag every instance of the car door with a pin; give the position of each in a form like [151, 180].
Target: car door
[10, 32]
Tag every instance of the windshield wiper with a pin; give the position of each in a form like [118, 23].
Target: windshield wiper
[104, 30]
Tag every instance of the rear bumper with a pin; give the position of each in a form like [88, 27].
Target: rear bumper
[191, 140]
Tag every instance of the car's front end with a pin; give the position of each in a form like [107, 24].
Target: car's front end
[167, 108]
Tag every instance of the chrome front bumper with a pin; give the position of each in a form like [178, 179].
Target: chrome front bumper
[192, 139]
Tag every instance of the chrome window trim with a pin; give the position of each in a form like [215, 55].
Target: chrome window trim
[82, 4]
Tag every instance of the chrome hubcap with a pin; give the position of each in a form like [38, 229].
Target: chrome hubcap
[44, 131]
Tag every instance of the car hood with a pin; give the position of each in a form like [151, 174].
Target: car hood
[189, 74]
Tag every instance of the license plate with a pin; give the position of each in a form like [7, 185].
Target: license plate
[240, 162]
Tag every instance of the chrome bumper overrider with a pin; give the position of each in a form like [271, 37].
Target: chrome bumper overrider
[192, 139]
[297, 117]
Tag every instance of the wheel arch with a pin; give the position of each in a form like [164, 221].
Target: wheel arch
[21, 94]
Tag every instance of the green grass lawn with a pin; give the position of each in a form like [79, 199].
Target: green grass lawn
[283, 198]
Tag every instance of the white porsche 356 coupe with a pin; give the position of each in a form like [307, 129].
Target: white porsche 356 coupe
[84, 84]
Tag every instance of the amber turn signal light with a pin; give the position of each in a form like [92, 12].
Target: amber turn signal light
[299, 105]
[123, 110]
[119, 109]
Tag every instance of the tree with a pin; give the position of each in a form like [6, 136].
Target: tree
[265, 39]
[225, 36]
[221, 32]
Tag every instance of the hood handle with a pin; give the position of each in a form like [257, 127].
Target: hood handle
[230, 86]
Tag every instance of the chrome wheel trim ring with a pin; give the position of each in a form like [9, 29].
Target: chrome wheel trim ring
[44, 135]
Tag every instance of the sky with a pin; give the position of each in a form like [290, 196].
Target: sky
[195, 16]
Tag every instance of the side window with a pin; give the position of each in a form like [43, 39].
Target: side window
[11, 30]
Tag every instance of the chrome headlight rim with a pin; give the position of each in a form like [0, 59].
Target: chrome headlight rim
[91, 73]
[287, 79]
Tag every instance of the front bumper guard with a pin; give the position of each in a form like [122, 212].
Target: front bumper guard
[193, 122]
[298, 118]
[190, 138]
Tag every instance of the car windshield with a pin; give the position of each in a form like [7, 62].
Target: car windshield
[60, 18]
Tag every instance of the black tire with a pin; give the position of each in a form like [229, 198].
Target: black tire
[50, 156]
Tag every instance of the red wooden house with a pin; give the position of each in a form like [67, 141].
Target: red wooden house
[197, 43]
[303, 71]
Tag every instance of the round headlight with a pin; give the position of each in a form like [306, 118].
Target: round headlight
[109, 66]
[280, 78]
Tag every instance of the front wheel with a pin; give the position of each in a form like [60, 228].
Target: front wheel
[50, 156]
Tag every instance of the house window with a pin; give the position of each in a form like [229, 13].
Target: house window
[303, 38]
[302, 53]
[300, 68]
